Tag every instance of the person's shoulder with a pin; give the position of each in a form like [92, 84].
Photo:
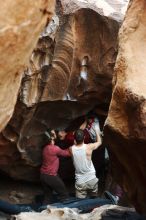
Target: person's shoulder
[46, 148]
[73, 146]
[49, 146]
[89, 145]
[53, 149]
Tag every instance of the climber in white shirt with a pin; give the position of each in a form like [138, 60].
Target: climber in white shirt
[85, 174]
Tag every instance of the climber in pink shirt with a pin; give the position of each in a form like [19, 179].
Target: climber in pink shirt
[49, 171]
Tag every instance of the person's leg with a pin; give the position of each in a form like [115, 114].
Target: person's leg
[92, 187]
[59, 187]
[48, 190]
[81, 191]
[56, 184]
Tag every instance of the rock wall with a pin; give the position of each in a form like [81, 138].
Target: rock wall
[70, 72]
[125, 127]
[72, 65]
[20, 26]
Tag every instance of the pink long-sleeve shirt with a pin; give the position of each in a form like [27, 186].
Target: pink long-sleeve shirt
[50, 164]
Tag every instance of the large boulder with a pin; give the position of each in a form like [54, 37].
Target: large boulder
[125, 127]
[20, 25]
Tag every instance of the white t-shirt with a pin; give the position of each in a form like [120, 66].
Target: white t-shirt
[84, 168]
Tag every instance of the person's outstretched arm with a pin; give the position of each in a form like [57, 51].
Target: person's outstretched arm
[70, 150]
[63, 153]
[83, 125]
[94, 146]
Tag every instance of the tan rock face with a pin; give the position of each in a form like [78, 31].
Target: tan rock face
[125, 129]
[20, 25]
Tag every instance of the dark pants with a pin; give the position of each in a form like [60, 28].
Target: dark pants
[51, 183]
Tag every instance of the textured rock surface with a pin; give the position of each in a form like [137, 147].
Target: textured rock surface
[20, 25]
[112, 9]
[126, 123]
[36, 72]
[109, 212]
[56, 72]
[74, 77]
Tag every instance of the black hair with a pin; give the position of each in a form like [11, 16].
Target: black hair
[50, 136]
[79, 136]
